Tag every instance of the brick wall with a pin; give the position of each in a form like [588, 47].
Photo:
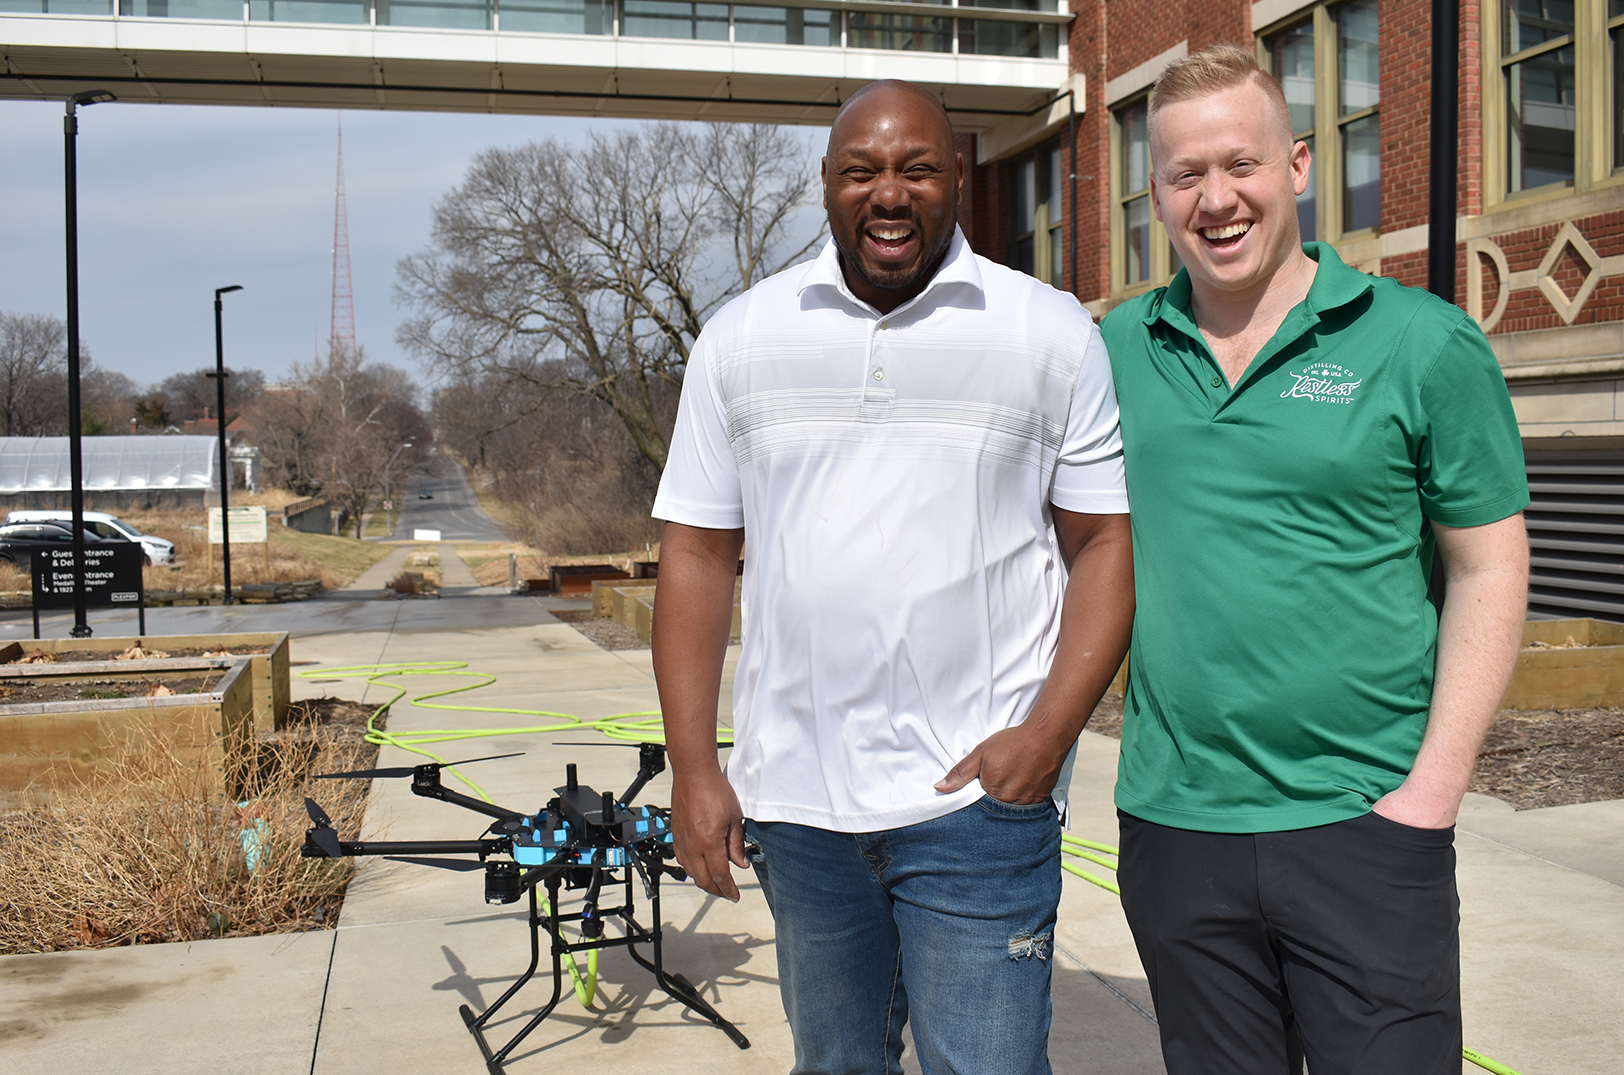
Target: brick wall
[1110, 37]
[1406, 73]
[1524, 250]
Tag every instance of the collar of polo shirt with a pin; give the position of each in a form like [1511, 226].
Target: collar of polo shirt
[958, 267]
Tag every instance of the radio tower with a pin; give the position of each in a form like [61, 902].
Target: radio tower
[343, 320]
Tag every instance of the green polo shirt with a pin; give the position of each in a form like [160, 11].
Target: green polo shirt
[1284, 643]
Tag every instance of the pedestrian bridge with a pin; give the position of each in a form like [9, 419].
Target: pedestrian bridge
[999, 62]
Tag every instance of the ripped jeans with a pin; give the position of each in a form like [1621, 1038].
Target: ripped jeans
[948, 923]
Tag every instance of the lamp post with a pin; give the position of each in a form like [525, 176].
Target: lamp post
[386, 467]
[70, 171]
[219, 375]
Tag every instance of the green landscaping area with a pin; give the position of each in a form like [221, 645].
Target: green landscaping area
[344, 556]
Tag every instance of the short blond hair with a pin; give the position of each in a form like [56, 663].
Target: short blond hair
[1212, 70]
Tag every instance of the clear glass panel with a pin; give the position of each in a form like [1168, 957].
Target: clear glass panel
[784, 26]
[979, 37]
[1533, 22]
[1540, 120]
[1292, 53]
[671, 18]
[1615, 8]
[1135, 149]
[347, 12]
[1361, 174]
[64, 7]
[1052, 193]
[178, 9]
[1358, 59]
[1057, 277]
[558, 16]
[441, 14]
[1307, 206]
[1024, 255]
[1136, 218]
[1021, 5]
[915, 33]
[1618, 92]
[1023, 197]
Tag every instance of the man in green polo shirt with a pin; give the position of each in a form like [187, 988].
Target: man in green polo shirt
[1301, 719]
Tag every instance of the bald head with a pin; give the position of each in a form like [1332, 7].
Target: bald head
[886, 96]
[891, 183]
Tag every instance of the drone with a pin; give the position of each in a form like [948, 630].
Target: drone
[581, 840]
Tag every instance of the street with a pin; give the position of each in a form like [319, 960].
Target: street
[454, 511]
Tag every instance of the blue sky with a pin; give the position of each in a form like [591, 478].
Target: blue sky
[175, 201]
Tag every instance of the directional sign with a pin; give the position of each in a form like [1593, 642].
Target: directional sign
[112, 576]
[248, 526]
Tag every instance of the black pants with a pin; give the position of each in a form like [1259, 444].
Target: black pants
[1339, 943]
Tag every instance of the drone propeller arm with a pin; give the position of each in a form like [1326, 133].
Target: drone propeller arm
[358, 848]
[435, 790]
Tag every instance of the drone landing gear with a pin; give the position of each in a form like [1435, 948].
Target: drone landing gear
[675, 985]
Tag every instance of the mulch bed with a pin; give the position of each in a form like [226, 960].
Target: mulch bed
[22, 691]
[602, 631]
[1531, 758]
[79, 655]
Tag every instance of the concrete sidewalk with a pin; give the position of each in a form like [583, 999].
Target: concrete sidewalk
[1542, 925]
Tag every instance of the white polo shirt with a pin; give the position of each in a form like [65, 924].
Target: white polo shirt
[892, 473]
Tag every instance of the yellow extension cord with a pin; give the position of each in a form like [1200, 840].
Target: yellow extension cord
[644, 727]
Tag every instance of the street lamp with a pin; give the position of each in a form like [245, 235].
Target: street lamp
[386, 497]
[70, 171]
[219, 375]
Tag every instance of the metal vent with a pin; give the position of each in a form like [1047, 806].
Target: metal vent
[1576, 535]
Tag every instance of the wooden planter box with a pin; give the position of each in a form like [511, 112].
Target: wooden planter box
[1580, 678]
[46, 744]
[269, 668]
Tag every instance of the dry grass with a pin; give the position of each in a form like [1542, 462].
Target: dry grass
[153, 850]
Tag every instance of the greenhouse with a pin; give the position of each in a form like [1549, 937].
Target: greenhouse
[119, 472]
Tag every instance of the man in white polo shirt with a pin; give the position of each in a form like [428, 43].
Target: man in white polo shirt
[922, 449]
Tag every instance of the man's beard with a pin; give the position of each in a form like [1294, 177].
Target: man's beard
[898, 279]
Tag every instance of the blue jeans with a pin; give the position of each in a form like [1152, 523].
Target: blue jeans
[950, 921]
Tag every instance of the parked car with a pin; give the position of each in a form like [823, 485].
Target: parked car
[110, 527]
[19, 541]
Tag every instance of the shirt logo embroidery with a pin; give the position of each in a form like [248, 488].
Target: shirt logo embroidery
[1323, 382]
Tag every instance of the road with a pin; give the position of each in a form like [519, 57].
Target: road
[454, 510]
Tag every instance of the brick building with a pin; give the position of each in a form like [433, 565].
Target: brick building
[1540, 217]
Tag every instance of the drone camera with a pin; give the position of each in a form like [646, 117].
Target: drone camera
[503, 883]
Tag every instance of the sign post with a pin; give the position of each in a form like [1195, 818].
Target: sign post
[112, 579]
[247, 526]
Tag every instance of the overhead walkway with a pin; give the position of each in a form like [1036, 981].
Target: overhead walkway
[1001, 62]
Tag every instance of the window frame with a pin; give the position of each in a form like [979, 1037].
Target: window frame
[1048, 211]
[1593, 135]
[1161, 248]
[1330, 124]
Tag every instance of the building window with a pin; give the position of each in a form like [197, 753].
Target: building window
[983, 38]
[913, 33]
[1036, 186]
[1537, 64]
[1140, 252]
[1552, 92]
[1336, 107]
[786, 26]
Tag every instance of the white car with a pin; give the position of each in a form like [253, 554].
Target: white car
[157, 549]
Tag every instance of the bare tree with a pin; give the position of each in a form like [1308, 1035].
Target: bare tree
[188, 396]
[335, 427]
[593, 268]
[33, 365]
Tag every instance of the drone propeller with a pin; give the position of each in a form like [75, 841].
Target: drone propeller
[636, 746]
[459, 865]
[409, 770]
[323, 833]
